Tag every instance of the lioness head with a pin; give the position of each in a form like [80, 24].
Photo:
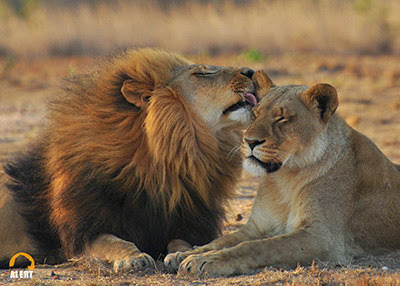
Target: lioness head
[289, 125]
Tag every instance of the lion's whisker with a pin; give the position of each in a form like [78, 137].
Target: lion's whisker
[233, 152]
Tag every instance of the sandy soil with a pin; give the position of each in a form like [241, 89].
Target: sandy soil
[369, 95]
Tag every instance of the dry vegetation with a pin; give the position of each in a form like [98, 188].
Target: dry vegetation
[310, 41]
[41, 28]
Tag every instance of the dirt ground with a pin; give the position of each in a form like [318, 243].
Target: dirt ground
[369, 96]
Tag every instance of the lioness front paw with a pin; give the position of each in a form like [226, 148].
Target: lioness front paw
[211, 263]
[173, 260]
[135, 262]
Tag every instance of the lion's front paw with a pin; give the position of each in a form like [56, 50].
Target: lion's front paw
[173, 260]
[134, 262]
[211, 263]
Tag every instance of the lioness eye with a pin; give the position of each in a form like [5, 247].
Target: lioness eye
[281, 119]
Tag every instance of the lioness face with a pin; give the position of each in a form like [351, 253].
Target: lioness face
[222, 96]
[289, 127]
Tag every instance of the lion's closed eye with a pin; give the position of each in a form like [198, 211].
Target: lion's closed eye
[206, 72]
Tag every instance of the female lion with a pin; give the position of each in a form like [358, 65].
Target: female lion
[326, 190]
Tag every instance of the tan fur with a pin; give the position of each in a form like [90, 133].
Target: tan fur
[336, 196]
[150, 121]
[11, 226]
[123, 254]
[176, 245]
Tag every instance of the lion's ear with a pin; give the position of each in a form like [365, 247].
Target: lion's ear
[262, 83]
[135, 93]
[323, 100]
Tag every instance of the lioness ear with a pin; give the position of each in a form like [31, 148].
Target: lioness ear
[135, 93]
[323, 99]
[262, 83]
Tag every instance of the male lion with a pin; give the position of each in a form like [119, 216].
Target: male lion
[326, 191]
[134, 155]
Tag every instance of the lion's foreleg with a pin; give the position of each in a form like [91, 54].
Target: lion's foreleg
[123, 255]
[280, 251]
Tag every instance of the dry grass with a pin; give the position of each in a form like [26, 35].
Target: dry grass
[357, 26]
[94, 273]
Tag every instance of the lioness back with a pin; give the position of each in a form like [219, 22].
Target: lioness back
[375, 222]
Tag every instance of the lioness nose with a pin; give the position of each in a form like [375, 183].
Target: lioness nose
[253, 143]
[247, 72]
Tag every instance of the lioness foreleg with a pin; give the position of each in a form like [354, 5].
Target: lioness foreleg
[247, 232]
[280, 251]
[122, 254]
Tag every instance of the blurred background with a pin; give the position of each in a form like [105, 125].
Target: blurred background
[352, 44]
[39, 28]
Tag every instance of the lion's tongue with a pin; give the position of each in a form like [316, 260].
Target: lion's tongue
[251, 98]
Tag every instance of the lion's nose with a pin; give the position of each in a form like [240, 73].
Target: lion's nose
[247, 72]
[253, 143]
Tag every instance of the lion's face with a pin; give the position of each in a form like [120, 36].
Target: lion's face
[222, 96]
[289, 127]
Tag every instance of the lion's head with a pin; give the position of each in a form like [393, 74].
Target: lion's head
[220, 96]
[153, 121]
[289, 126]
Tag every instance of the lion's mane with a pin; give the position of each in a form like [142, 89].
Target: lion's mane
[102, 166]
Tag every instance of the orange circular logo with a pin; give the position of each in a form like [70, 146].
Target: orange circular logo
[30, 267]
